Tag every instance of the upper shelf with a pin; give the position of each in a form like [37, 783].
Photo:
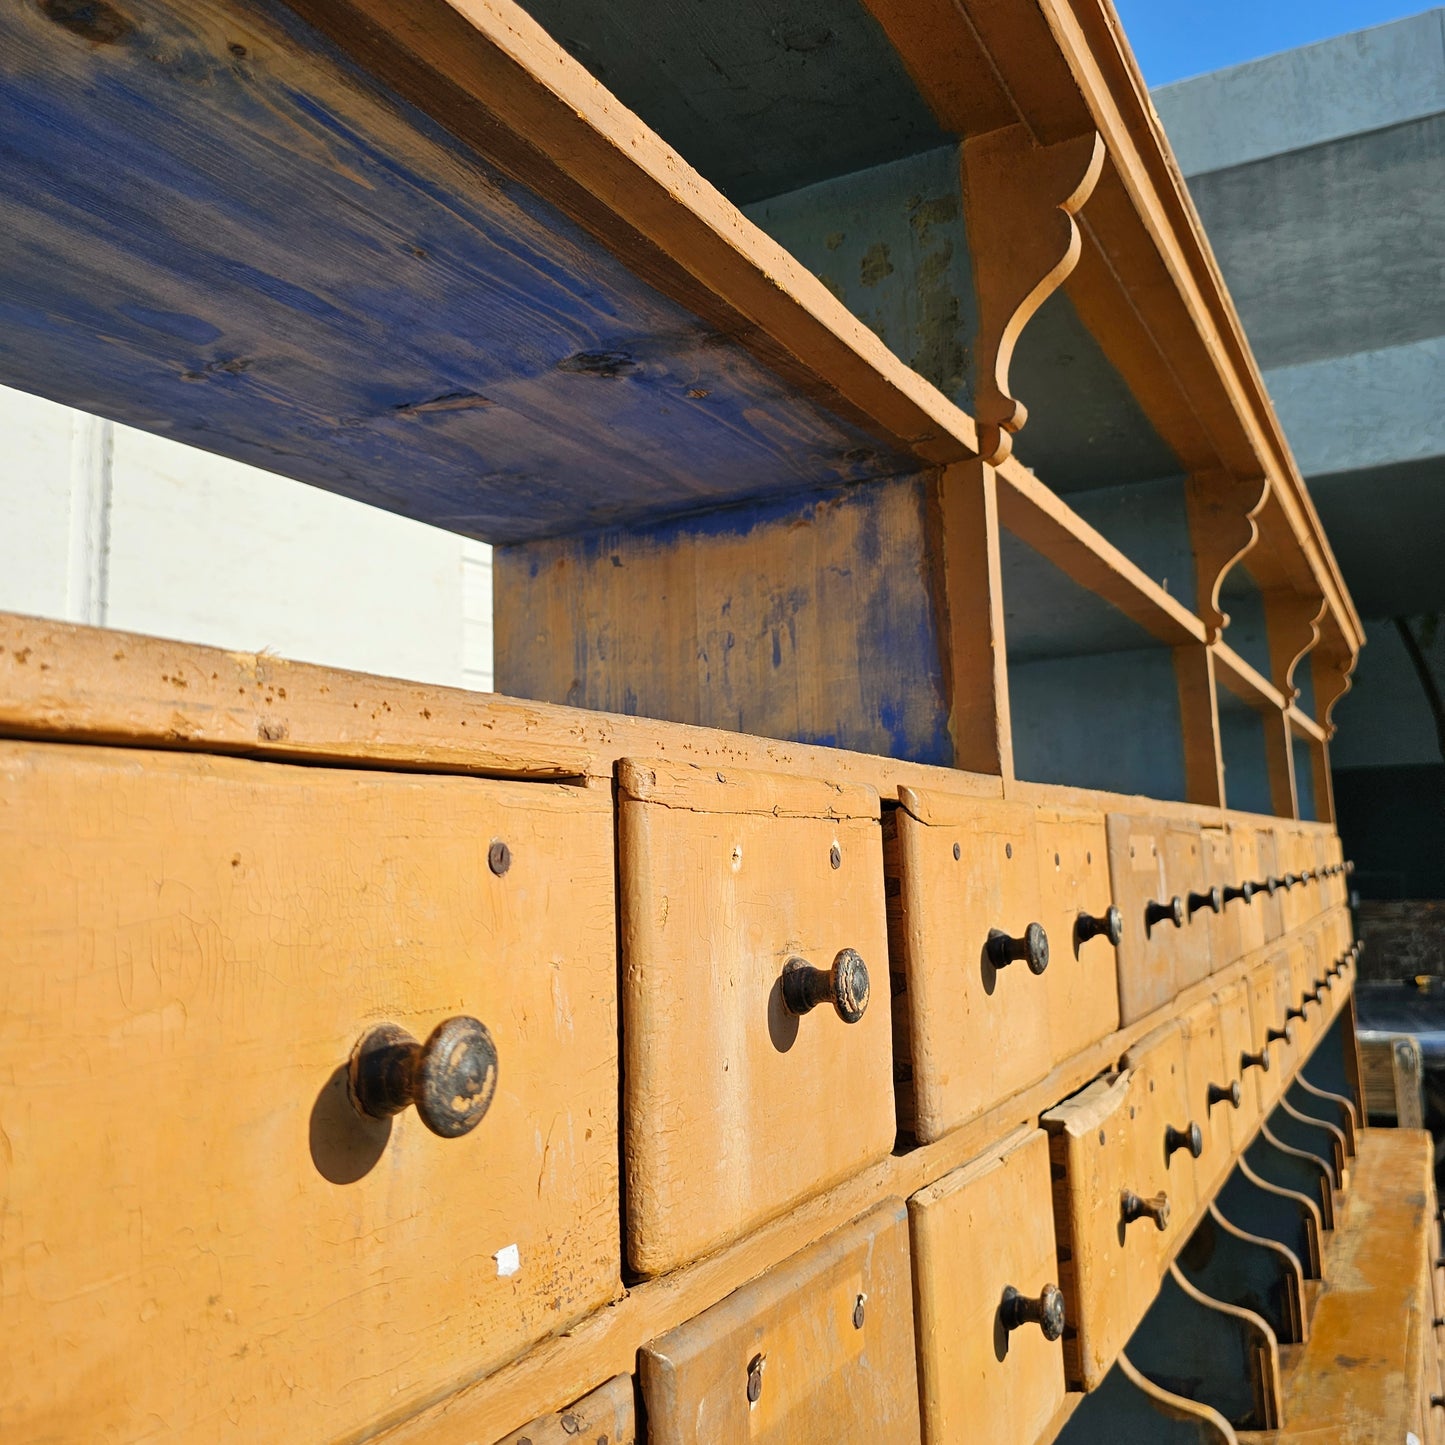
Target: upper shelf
[414, 252]
[222, 228]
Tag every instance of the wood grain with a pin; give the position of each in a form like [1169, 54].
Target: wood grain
[735, 1109]
[194, 946]
[829, 1336]
[981, 1230]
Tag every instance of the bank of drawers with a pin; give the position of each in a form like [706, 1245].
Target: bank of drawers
[357, 1037]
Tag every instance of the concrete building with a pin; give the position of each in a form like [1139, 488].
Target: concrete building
[1320, 177]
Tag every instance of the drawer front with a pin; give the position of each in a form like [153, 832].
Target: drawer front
[207, 939]
[1248, 913]
[608, 1416]
[1152, 863]
[1225, 944]
[1210, 1075]
[1167, 1118]
[974, 1032]
[735, 1106]
[1270, 902]
[988, 1369]
[1237, 1040]
[1081, 986]
[819, 1348]
[1266, 1008]
[1107, 1144]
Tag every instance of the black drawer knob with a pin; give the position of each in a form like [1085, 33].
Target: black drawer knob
[1290, 879]
[1270, 886]
[1240, 890]
[1171, 912]
[1190, 1138]
[451, 1078]
[1109, 924]
[1047, 1312]
[1313, 996]
[1032, 948]
[1254, 1061]
[1133, 1206]
[1294, 1013]
[1233, 1095]
[1278, 1036]
[845, 986]
[1349, 867]
[1212, 900]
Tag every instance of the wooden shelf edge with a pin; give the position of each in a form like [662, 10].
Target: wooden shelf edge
[1245, 681]
[486, 71]
[1305, 725]
[1040, 518]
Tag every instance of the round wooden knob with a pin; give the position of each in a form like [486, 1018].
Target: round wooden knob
[1191, 1138]
[1254, 1061]
[1109, 924]
[1212, 900]
[1047, 1312]
[845, 986]
[1171, 912]
[1132, 1206]
[1032, 948]
[451, 1078]
[1233, 1095]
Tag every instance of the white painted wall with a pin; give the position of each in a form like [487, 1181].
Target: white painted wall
[106, 525]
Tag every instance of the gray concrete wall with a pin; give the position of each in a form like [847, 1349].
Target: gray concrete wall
[1319, 175]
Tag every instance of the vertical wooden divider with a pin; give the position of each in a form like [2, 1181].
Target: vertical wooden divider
[1199, 722]
[968, 583]
[1324, 784]
[1279, 755]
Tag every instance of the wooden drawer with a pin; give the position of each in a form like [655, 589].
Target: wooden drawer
[608, 1416]
[1213, 1083]
[735, 1107]
[1248, 913]
[972, 1033]
[990, 1313]
[1081, 986]
[1236, 1029]
[1273, 1034]
[820, 1348]
[1108, 1150]
[1222, 924]
[1270, 899]
[194, 947]
[1155, 864]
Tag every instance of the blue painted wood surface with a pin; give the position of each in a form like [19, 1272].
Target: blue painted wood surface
[809, 619]
[217, 228]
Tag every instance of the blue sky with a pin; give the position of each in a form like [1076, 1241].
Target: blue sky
[1178, 38]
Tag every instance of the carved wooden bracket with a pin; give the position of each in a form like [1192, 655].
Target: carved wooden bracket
[1020, 202]
[1223, 513]
[1332, 668]
[1292, 627]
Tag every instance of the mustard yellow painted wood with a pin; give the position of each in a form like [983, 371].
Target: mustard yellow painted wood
[980, 1231]
[820, 1348]
[1107, 1144]
[200, 1238]
[734, 1108]
[1225, 942]
[607, 1416]
[973, 1033]
[1249, 914]
[1081, 986]
[1154, 861]
[1208, 1071]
